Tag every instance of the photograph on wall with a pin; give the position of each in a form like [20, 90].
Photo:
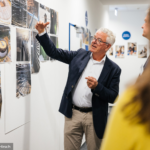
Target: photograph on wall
[23, 80]
[19, 13]
[55, 41]
[23, 44]
[54, 21]
[119, 51]
[5, 11]
[142, 51]
[110, 51]
[43, 56]
[86, 37]
[90, 36]
[5, 46]
[44, 13]
[0, 95]
[32, 13]
[132, 49]
[35, 53]
[79, 32]
[82, 44]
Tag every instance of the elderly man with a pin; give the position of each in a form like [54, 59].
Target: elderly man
[93, 82]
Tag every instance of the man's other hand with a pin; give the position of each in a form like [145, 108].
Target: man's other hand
[40, 26]
[91, 82]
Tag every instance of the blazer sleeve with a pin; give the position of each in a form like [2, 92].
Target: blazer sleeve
[108, 94]
[56, 53]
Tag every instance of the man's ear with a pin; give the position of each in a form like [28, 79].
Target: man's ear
[108, 47]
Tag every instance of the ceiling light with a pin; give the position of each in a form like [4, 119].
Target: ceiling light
[116, 11]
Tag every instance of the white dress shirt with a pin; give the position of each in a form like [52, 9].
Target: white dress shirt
[82, 95]
[42, 33]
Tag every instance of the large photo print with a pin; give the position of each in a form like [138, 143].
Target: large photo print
[5, 11]
[32, 13]
[19, 13]
[23, 44]
[23, 80]
[5, 46]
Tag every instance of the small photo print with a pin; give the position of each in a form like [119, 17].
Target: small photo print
[111, 51]
[132, 49]
[32, 13]
[23, 80]
[54, 22]
[5, 45]
[119, 51]
[5, 11]
[43, 56]
[86, 37]
[23, 44]
[44, 13]
[55, 41]
[35, 52]
[142, 51]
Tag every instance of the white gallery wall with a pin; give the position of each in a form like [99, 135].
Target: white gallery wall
[46, 125]
[37, 124]
[131, 21]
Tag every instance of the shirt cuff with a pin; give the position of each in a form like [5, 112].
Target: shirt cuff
[42, 33]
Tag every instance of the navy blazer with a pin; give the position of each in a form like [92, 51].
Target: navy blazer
[105, 92]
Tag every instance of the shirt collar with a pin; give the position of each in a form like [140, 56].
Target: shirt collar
[94, 61]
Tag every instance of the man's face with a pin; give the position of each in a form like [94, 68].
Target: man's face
[102, 47]
[146, 27]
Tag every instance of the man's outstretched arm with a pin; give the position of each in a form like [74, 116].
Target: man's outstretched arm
[49, 47]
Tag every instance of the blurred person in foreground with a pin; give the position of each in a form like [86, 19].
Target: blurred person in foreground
[129, 124]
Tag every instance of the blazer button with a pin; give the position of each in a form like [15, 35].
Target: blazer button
[72, 86]
[67, 97]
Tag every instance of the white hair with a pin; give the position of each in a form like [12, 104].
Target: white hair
[110, 35]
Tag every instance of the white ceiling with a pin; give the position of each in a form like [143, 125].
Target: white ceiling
[121, 2]
[128, 7]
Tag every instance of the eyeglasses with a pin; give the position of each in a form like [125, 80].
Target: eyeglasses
[98, 40]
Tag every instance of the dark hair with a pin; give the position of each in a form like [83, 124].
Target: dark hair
[142, 85]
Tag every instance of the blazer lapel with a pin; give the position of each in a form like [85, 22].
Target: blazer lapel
[105, 71]
[84, 62]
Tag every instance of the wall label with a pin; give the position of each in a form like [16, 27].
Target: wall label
[126, 35]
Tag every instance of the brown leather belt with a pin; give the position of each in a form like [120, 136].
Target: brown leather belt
[82, 109]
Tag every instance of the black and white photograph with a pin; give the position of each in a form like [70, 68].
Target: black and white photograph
[142, 51]
[5, 44]
[0, 95]
[35, 52]
[44, 13]
[5, 11]
[19, 13]
[23, 40]
[23, 80]
[53, 21]
[32, 13]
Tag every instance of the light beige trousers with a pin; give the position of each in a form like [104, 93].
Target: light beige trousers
[75, 127]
